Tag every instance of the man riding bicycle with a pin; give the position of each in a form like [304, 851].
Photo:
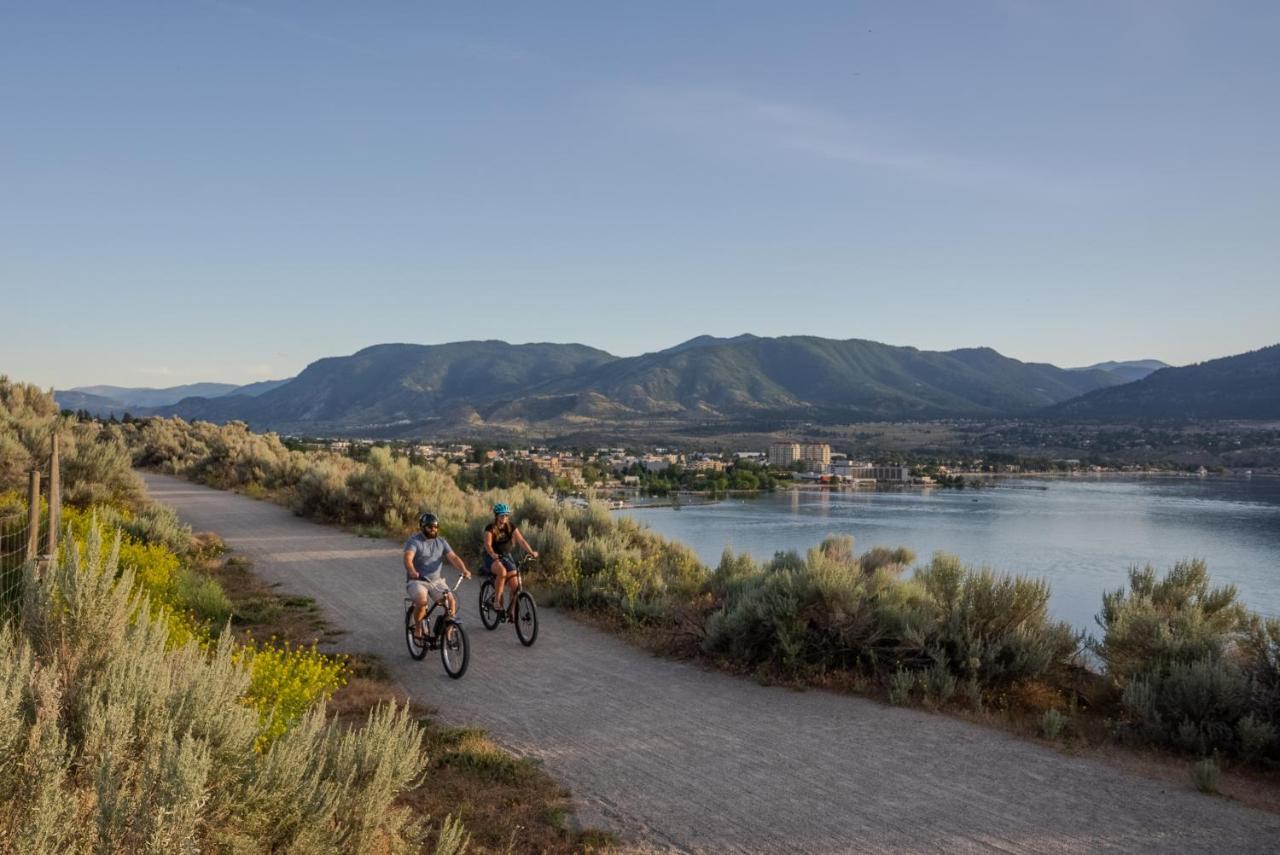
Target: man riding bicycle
[424, 557]
[500, 537]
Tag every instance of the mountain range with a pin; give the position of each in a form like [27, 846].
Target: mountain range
[744, 382]
[1128, 371]
[1245, 386]
[120, 398]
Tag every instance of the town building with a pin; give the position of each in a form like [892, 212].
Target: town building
[783, 454]
[816, 456]
[851, 471]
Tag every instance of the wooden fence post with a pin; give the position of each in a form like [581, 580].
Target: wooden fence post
[55, 501]
[33, 516]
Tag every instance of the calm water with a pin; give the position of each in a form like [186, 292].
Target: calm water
[1080, 534]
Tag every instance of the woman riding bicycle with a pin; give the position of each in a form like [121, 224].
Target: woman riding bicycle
[500, 537]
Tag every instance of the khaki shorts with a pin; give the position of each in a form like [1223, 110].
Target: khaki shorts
[435, 588]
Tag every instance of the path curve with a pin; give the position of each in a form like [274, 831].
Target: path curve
[677, 758]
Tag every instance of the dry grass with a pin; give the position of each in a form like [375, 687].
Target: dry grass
[508, 804]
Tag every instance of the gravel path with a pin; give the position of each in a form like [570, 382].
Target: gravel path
[677, 758]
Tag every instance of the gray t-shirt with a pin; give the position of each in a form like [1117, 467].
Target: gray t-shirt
[428, 555]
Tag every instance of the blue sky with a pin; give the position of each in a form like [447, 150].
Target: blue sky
[228, 191]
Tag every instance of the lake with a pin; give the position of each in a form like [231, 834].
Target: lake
[1079, 533]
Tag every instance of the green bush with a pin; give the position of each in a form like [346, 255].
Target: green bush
[111, 740]
[1196, 671]
[832, 610]
[993, 628]
[939, 683]
[1205, 774]
[1052, 724]
[159, 524]
[1158, 622]
[901, 683]
[321, 491]
[203, 596]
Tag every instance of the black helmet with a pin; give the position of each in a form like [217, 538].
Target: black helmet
[427, 519]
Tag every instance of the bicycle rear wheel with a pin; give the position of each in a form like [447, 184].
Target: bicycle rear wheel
[417, 649]
[488, 614]
[454, 651]
[526, 619]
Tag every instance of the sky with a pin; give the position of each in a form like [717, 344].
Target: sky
[228, 191]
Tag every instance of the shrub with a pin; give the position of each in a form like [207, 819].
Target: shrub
[939, 683]
[901, 682]
[1195, 669]
[321, 491]
[1195, 706]
[203, 596]
[111, 740]
[1052, 724]
[97, 467]
[1159, 622]
[1205, 774]
[993, 628]
[160, 525]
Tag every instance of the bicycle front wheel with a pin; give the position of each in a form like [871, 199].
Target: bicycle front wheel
[454, 652]
[488, 614]
[526, 619]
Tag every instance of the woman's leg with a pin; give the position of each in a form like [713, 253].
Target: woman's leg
[513, 579]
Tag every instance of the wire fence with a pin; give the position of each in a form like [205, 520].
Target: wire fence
[22, 521]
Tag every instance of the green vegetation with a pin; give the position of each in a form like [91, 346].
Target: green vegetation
[129, 717]
[1195, 669]
[832, 611]
[115, 737]
[739, 475]
[1185, 666]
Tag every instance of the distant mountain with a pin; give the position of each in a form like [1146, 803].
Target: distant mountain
[95, 404]
[1246, 386]
[253, 390]
[810, 377]
[401, 389]
[146, 397]
[1130, 371]
[392, 385]
[118, 399]
[709, 341]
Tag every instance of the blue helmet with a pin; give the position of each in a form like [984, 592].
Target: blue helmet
[502, 508]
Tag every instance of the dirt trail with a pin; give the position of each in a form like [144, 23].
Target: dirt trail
[677, 758]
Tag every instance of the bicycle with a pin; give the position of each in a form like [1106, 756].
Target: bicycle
[448, 636]
[526, 610]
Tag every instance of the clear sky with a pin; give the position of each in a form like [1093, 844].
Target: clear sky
[227, 191]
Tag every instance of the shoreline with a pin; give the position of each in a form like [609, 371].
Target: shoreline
[707, 498]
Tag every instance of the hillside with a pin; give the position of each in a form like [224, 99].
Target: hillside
[399, 384]
[1245, 386]
[826, 379]
[404, 389]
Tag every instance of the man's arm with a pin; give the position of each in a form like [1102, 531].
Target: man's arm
[408, 564]
[453, 559]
